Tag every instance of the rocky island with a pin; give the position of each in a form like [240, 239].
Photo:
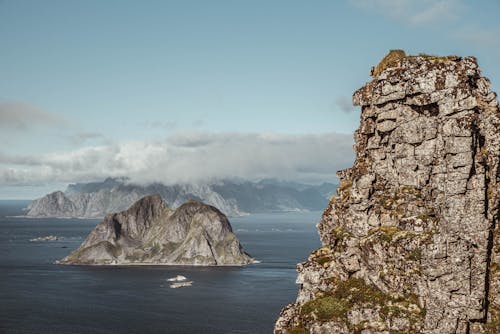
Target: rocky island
[96, 199]
[411, 242]
[149, 233]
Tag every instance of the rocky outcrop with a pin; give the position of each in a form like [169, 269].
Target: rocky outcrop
[55, 204]
[411, 243]
[151, 233]
[96, 199]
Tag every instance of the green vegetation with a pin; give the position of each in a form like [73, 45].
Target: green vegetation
[493, 326]
[433, 58]
[411, 190]
[390, 59]
[490, 193]
[298, 330]
[344, 190]
[424, 216]
[323, 259]
[397, 55]
[394, 204]
[386, 233]
[80, 253]
[322, 255]
[340, 233]
[354, 292]
[394, 234]
[415, 255]
[403, 203]
[327, 308]
[391, 234]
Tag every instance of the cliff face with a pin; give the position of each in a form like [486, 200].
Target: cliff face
[95, 200]
[411, 243]
[52, 205]
[150, 233]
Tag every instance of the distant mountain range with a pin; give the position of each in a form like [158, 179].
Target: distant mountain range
[234, 198]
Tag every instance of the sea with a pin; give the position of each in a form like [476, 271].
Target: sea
[38, 296]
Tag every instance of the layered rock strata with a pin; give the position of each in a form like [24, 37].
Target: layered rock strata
[411, 243]
[151, 233]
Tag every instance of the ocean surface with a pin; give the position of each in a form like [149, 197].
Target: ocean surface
[38, 296]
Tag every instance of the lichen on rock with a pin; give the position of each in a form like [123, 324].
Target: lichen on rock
[411, 243]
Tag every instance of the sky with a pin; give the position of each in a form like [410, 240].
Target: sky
[192, 91]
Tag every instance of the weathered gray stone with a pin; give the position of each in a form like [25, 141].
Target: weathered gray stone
[411, 244]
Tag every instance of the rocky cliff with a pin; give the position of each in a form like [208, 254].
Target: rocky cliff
[96, 199]
[411, 243]
[151, 233]
[55, 204]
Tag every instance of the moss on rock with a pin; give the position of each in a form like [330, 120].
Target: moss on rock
[355, 293]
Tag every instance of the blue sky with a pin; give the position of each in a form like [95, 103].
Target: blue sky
[89, 87]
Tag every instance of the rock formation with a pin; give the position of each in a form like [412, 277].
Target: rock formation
[55, 204]
[151, 233]
[411, 242]
[96, 199]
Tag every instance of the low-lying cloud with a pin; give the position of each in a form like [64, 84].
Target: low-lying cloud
[190, 157]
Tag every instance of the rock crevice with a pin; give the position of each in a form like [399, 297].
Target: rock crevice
[415, 220]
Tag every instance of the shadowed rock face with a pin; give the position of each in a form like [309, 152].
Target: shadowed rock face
[411, 244]
[150, 233]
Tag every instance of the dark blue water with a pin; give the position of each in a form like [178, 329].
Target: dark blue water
[37, 296]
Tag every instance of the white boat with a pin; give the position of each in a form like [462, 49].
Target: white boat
[178, 278]
[180, 284]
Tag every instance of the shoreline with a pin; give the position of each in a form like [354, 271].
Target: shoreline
[141, 264]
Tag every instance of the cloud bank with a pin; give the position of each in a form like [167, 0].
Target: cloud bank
[189, 157]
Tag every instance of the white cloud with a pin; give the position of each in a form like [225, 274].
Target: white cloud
[413, 12]
[190, 157]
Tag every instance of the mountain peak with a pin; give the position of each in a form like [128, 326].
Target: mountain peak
[149, 233]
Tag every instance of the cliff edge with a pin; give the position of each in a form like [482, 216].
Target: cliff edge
[151, 233]
[411, 242]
